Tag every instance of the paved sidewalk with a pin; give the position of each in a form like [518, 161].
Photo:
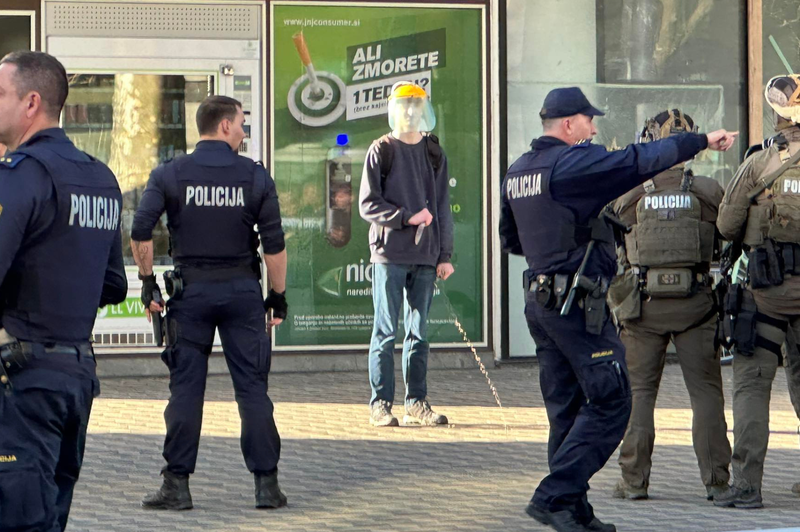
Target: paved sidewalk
[342, 475]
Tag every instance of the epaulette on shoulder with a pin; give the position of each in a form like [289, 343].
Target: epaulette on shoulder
[583, 143]
[12, 160]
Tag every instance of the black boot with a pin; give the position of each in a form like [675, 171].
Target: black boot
[173, 494]
[268, 493]
[562, 520]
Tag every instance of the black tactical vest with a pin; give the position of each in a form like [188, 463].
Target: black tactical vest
[553, 240]
[211, 215]
[53, 291]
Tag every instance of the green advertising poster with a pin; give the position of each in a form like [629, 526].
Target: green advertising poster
[320, 134]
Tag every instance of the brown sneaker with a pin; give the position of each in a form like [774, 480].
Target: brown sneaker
[796, 488]
[623, 490]
[381, 415]
[420, 413]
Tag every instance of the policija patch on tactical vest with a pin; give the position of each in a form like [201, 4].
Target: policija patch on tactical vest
[601, 354]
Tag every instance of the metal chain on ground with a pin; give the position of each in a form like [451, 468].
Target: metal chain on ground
[471, 346]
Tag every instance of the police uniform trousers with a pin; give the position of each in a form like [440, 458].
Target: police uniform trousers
[236, 308]
[691, 324]
[43, 422]
[778, 312]
[584, 383]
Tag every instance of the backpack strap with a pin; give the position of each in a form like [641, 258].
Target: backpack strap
[435, 153]
[386, 156]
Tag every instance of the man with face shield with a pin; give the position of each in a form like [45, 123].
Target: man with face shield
[404, 196]
[761, 210]
[665, 295]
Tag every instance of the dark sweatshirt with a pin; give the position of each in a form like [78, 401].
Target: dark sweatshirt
[412, 185]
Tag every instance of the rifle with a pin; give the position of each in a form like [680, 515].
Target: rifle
[579, 281]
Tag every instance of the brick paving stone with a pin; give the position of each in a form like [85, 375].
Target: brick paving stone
[341, 474]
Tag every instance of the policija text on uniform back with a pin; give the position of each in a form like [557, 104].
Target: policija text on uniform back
[60, 259]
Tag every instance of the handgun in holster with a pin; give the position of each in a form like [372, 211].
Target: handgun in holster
[173, 283]
[13, 358]
[594, 302]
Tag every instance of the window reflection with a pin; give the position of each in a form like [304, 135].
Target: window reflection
[133, 122]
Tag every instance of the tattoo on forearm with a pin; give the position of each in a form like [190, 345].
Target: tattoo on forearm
[141, 254]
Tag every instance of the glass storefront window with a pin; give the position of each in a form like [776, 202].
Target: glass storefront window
[16, 32]
[133, 122]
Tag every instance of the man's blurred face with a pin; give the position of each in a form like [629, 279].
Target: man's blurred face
[408, 114]
[13, 109]
[237, 132]
[580, 127]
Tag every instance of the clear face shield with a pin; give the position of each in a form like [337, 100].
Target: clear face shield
[410, 109]
[783, 95]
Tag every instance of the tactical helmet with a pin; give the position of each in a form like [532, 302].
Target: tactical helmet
[666, 123]
[783, 95]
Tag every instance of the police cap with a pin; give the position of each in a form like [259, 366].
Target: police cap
[567, 101]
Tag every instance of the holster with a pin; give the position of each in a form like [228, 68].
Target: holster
[173, 283]
[594, 304]
[13, 358]
[739, 322]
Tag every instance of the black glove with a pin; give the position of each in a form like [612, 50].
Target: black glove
[277, 302]
[150, 289]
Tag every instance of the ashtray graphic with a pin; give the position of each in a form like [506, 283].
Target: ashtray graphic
[315, 99]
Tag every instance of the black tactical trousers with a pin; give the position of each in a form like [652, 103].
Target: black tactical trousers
[584, 382]
[237, 309]
[43, 425]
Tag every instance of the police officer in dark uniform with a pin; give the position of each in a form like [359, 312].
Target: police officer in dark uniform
[60, 259]
[213, 199]
[552, 198]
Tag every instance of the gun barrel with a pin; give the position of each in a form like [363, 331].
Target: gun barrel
[576, 281]
[158, 319]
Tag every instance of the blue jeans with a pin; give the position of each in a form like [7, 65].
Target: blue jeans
[388, 283]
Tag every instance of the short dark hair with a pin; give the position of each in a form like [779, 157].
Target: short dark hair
[214, 110]
[42, 73]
